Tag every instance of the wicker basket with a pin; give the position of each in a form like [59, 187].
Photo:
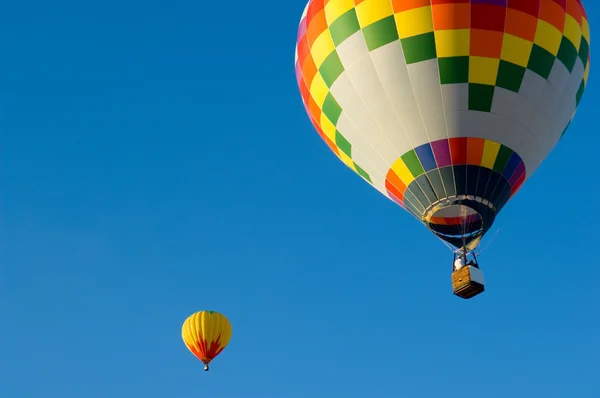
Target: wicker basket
[467, 282]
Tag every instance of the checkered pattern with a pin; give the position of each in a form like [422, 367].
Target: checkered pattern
[382, 78]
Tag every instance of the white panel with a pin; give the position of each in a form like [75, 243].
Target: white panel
[363, 152]
[540, 126]
[529, 148]
[455, 96]
[550, 100]
[559, 76]
[391, 68]
[561, 120]
[570, 91]
[532, 86]
[513, 106]
[555, 101]
[368, 86]
[555, 107]
[347, 96]
[352, 49]
[377, 179]
[558, 121]
[388, 61]
[579, 65]
[425, 79]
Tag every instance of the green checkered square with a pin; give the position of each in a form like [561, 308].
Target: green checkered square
[454, 70]
[584, 50]
[419, 48]
[540, 61]
[331, 68]
[332, 109]
[481, 97]
[342, 143]
[510, 76]
[412, 162]
[344, 27]
[380, 33]
[362, 173]
[567, 54]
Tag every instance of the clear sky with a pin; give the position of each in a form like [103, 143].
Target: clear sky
[157, 160]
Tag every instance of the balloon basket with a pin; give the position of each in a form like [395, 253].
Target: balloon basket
[467, 282]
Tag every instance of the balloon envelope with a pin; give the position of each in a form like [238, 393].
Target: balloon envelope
[206, 334]
[445, 107]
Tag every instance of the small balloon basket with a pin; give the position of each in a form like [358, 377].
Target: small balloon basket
[467, 281]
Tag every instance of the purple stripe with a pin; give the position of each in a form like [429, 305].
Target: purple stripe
[511, 165]
[474, 218]
[302, 29]
[501, 3]
[517, 174]
[441, 151]
[298, 72]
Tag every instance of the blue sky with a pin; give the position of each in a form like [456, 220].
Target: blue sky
[157, 160]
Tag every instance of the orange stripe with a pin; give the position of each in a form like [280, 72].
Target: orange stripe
[574, 9]
[553, 14]
[314, 109]
[451, 16]
[520, 24]
[475, 150]
[406, 5]
[309, 70]
[316, 26]
[394, 184]
[486, 43]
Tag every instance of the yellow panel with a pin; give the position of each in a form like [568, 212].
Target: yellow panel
[572, 31]
[318, 89]
[346, 159]
[414, 22]
[335, 8]
[322, 47]
[483, 70]
[516, 50]
[547, 37]
[452, 43]
[490, 152]
[403, 172]
[585, 29]
[370, 11]
[327, 127]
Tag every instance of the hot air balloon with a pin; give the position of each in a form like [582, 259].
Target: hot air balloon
[445, 106]
[206, 334]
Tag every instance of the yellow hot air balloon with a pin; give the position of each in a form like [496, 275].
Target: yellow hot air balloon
[206, 334]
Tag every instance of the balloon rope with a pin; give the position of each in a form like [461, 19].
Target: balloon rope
[490, 242]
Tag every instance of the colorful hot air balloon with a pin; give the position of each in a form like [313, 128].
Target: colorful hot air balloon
[445, 106]
[206, 334]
